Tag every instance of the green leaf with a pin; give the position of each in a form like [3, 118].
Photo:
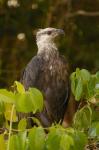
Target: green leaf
[66, 142]
[85, 75]
[30, 101]
[80, 140]
[94, 130]
[19, 141]
[7, 113]
[20, 87]
[69, 130]
[37, 99]
[79, 90]
[36, 121]
[36, 138]
[91, 87]
[23, 141]
[95, 114]
[24, 103]
[2, 108]
[7, 96]
[82, 118]
[14, 143]
[53, 139]
[78, 74]
[2, 120]
[2, 142]
[22, 124]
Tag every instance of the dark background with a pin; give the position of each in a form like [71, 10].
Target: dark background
[19, 20]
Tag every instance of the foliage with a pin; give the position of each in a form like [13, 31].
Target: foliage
[15, 135]
[84, 85]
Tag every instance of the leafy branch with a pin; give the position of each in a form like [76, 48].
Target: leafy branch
[83, 134]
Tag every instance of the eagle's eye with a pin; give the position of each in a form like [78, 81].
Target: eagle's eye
[49, 32]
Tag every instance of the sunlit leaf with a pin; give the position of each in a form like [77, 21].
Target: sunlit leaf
[79, 90]
[7, 113]
[91, 87]
[82, 119]
[22, 124]
[78, 74]
[30, 101]
[36, 121]
[14, 143]
[36, 138]
[18, 142]
[24, 103]
[53, 139]
[22, 136]
[37, 99]
[66, 142]
[7, 96]
[20, 87]
[85, 75]
[2, 108]
[69, 130]
[2, 142]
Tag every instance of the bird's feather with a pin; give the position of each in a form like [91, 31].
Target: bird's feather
[49, 72]
[30, 73]
[54, 84]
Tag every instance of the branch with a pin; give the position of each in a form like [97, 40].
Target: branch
[82, 13]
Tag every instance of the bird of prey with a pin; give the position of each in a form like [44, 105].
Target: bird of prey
[49, 72]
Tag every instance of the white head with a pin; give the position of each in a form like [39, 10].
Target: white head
[46, 37]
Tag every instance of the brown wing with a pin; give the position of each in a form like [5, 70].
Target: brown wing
[30, 73]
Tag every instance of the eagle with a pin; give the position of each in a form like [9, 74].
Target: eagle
[48, 71]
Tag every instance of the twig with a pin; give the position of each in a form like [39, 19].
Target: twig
[82, 13]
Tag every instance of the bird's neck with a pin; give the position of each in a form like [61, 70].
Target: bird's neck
[47, 49]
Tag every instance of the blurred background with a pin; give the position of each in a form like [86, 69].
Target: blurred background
[20, 19]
